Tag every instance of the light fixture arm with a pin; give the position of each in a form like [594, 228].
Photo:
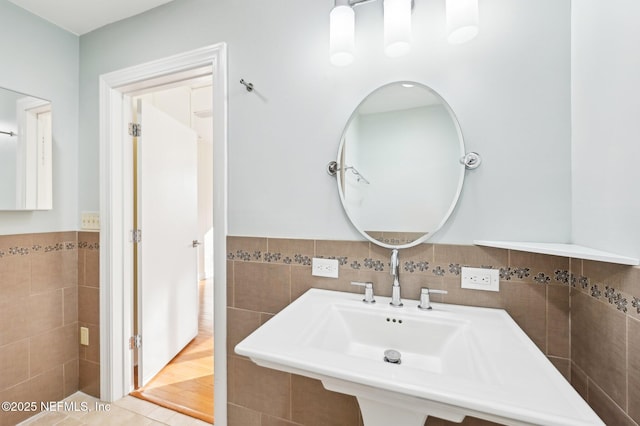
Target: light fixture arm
[354, 3]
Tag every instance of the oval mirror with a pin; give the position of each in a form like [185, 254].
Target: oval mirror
[398, 169]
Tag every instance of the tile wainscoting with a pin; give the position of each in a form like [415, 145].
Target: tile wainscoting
[42, 307]
[585, 316]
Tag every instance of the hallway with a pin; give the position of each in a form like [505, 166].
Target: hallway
[185, 385]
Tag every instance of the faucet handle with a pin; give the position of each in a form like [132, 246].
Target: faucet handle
[432, 291]
[368, 291]
[425, 301]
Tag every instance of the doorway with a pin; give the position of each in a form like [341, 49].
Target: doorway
[173, 263]
[116, 207]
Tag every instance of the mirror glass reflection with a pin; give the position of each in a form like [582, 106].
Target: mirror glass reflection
[25, 152]
[399, 170]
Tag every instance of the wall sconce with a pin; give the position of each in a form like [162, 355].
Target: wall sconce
[462, 26]
[462, 20]
[397, 27]
[342, 28]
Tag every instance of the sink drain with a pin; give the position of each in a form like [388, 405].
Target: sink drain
[392, 356]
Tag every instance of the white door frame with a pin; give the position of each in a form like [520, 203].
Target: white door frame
[116, 218]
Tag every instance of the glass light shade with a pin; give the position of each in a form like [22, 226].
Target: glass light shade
[397, 27]
[342, 23]
[462, 20]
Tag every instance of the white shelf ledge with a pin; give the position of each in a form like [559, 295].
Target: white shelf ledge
[557, 249]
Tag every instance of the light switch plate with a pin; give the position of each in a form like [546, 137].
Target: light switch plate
[90, 221]
[84, 336]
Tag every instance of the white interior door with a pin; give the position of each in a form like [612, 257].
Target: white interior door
[167, 217]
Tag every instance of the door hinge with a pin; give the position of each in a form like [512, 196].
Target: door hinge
[135, 129]
[135, 341]
[136, 235]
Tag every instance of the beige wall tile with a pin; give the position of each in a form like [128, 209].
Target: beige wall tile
[53, 348]
[634, 368]
[92, 268]
[89, 305]
[419, 253]
[71, 377]
[45, 311]
[70, 305]
[550, 269]
[240, 416]
[261, 389]
[15, 276]
[240, 323]
[19, 393]
[580, 381]
[89, 237]
[558, 324]
[14, 319]
[14, 364]
[411, 284]
[53, 270]
[526, 303]
[598, 339]
[246, 248]
[621, 277]
[313, 405]
[273, 421]
[563, 365]
[19, 240]
[89, 378]
[348, 250]
[474, 256]
[47, 386]
[289, 251]
[262, 287]
[230, 279]
[610, 413]
[52, 238]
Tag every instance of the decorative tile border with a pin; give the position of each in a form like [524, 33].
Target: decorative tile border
[88, 246]
[601, 291]
[36, 248]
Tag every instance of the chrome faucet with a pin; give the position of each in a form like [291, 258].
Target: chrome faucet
[395, 272]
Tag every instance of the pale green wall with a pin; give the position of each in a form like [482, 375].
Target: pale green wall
[42, 60]
[509, 88]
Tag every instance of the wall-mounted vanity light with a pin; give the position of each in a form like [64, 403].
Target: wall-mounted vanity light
[462, 26]
[462, 20]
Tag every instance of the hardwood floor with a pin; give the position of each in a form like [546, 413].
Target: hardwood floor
[186, 383]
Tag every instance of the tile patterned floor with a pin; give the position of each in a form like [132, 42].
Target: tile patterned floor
[82, 409]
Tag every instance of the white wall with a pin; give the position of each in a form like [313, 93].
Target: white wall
[509, 89]
[41, 59]
[606, 124]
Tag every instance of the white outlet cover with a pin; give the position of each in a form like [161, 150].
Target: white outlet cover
[480, 279]
[324, 267]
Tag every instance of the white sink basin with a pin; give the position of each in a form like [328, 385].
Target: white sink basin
[455, 361]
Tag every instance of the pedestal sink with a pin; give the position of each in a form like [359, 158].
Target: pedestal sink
[453, 361]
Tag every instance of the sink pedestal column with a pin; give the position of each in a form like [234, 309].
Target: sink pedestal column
[380, 407]
[375, 413]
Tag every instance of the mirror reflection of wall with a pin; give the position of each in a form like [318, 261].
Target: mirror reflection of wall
[25, 152]
[400, 164]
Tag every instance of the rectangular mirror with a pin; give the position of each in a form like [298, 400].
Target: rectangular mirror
[25, 152]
